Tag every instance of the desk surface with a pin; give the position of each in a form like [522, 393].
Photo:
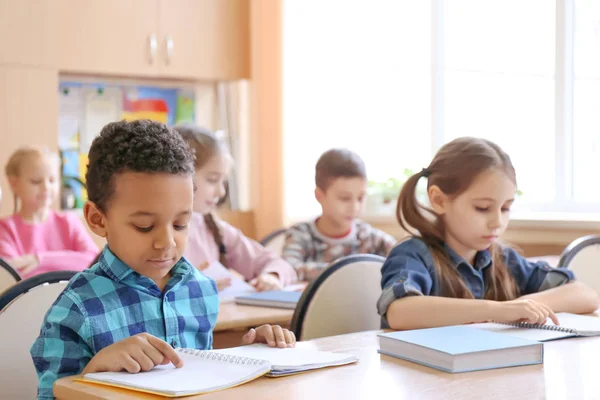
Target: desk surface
[569, 371]
[234, 316]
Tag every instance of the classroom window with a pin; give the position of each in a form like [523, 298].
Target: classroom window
[356, 74]
[395, 80]
[586, 101]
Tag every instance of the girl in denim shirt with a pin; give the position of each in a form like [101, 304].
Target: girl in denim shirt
[454, 270]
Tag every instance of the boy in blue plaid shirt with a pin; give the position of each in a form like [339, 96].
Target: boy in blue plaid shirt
[142, 299]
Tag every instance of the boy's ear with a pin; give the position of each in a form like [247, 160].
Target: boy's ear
[319, 194]
[95, 218]
[437, 199]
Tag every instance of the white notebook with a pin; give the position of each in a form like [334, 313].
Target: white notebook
[291, 360]
[204, 371]
[571, 325]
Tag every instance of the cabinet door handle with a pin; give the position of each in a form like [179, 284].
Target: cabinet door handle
[152, 45]
[170, 46]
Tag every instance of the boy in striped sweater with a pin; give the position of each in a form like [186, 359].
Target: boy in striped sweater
[341, 188]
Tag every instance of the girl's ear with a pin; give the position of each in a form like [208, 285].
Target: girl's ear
[12, 182]
[95, 218]
[437, 199]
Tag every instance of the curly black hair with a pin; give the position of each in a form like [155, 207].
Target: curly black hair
[136, 146]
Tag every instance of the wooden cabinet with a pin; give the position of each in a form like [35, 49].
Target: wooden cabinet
[116, 37]
[28, 111]
[183, 39]
[28, 33]
[204, 39]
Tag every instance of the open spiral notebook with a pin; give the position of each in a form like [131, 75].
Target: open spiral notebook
[571, 325]
[206, 371]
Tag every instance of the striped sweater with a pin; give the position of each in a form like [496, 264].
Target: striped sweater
[310, 252]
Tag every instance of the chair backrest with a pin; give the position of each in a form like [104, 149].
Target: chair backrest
[22, 310]
[582, 256]
[275, 240]
[343, 299]
[8, 276]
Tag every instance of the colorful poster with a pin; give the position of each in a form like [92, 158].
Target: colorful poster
[85, 108]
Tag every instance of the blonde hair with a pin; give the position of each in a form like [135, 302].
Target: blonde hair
[14, 166]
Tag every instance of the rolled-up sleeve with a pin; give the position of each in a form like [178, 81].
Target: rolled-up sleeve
[534, 277]
[404, 273]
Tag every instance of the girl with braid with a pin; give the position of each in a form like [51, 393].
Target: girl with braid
[211, 239]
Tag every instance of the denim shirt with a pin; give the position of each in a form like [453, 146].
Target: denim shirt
[409, 270]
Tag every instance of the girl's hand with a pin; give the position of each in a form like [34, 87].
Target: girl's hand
[523, 310]
[25, 263]
[266, 281]
[273, 335]
[221, 283]
[141, 352]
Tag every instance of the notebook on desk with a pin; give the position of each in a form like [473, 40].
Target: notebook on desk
[461, 348]
[276, 298]
[571, 325]
[204, 371]
[291, 360]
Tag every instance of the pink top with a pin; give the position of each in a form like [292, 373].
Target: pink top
[243, 255]
[61, 242]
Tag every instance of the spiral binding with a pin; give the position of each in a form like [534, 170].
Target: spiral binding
[214, 356]
[544, 327]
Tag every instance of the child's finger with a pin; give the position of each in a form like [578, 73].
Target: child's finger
[166, 350]
[203, 266]
[249, 337]
[266, 332]
[145, 363]
[156, 356]
[129, 365]
[223, 283]
[553, 316]
[279, 336]
[289, 338]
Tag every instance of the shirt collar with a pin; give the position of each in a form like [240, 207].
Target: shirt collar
[118, 270]
[483, 259]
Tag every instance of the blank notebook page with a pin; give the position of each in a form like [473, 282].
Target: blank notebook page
[198, 375]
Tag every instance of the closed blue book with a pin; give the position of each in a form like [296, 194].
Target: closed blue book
[275, 298]
[461, 348]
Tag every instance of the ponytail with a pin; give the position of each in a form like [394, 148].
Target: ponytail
[212, 225]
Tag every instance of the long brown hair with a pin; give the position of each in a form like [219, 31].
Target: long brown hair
[453, 169]
[206, 145]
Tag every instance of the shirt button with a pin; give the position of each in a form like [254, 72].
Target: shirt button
[173, 343]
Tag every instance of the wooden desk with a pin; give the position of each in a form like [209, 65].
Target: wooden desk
[234, 321]
[570, 371]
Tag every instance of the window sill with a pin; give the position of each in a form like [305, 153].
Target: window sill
[553, 221]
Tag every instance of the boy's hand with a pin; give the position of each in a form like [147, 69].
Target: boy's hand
[266, 281]
[141, 352]
[273, 335]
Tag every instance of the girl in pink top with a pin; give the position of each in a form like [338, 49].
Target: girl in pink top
[211, 239]
[35, 238]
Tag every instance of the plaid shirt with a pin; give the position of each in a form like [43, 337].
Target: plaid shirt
[110, 302]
